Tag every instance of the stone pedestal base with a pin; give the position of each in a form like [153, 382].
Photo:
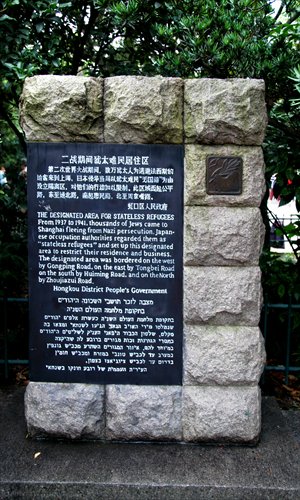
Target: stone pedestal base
[229, 414]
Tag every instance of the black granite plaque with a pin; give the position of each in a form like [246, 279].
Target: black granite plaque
[224, 175]
[105, 255]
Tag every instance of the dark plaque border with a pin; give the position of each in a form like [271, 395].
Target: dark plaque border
[46, 303]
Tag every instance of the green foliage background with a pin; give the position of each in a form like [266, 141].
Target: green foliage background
[186, 38]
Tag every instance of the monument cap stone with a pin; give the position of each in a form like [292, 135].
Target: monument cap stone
[220, 111]
[62, 109]
[143, 110]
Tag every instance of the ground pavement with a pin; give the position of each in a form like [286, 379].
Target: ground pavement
[121, 471]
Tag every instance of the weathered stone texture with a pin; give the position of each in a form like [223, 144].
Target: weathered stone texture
[222, 295]
[223, 355]
[254, 186]
[223, 347]
[62, 109]
[224, 111]
[219, 236]
[143, 110]
[143, 412]
[220, 414]
[70, 411]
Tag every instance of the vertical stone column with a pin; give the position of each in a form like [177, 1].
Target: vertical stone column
[63, 109]
[143, 110]
[224, 353]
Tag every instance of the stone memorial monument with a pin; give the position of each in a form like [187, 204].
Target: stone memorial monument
[144, 241]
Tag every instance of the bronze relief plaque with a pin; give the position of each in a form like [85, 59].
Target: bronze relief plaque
[224, 175]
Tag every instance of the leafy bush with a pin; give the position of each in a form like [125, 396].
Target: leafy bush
[13, 235]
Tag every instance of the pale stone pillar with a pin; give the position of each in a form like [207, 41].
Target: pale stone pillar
[224, 352]
[143, 110]
[63, 109]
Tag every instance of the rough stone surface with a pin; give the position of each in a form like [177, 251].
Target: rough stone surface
[223, 348]
[222, 295]
[254, 186]
[70, 411]
[62, 109]
[143, 110]
[143, 412]
[221, 414]
[219, 236]
[223, 355]
[224, 111]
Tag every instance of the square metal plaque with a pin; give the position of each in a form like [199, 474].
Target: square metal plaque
[224, 175]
